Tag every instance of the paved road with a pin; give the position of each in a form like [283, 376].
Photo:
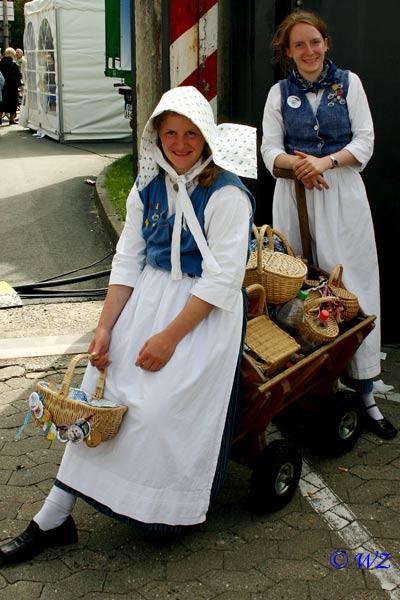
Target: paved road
[49, 222]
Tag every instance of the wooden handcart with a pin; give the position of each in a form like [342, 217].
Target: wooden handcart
[311, 383]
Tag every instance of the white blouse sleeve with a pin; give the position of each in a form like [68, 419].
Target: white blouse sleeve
[129, 259]
[227, 225]
[273, 128]
[362, 144]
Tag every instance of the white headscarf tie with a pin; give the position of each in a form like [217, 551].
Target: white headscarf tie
[184, 208]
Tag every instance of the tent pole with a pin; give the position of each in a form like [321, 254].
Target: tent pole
[134, 95]
[59, 96]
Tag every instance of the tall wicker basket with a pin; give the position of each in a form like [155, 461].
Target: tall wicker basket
[63, 411]
[282, 275]
[347, 298]
[335, 287]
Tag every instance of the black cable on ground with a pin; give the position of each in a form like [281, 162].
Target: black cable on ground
[67, 294]
[79, 269]
[49, 283]
[35, 291]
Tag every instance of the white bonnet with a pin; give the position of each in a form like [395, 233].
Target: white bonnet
[233, 146]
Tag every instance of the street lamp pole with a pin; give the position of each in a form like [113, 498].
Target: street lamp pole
[5, 25]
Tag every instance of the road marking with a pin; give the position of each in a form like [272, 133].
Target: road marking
[50, 345]
[343, 521]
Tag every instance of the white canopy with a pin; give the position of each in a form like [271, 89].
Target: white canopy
[81, 5]
[69, 97]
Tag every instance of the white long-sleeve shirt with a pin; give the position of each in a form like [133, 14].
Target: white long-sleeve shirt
[226, 223]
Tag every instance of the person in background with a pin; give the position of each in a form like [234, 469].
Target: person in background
[317, 122]
[2, 82]
[170, 333]
[12, 76]
[21, 62]
[20, 58]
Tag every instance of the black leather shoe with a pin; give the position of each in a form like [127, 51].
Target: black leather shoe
[33, 540]
[381, 427]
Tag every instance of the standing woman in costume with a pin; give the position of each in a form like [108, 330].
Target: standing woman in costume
[317, 123]
[170, 333]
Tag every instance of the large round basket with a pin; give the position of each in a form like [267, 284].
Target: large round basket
[63, 411]
[282, 275]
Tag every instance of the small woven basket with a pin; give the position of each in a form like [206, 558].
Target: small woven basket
[62, 410]
[311, 327]
[348, 300]
[265, 339]
[282, 275]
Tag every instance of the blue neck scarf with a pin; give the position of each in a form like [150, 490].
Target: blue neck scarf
[327, 77]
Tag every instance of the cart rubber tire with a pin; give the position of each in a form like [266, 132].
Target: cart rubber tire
[341, 423]
[275, 476]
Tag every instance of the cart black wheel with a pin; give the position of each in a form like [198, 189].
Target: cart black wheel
[341, 425]
[275, 476]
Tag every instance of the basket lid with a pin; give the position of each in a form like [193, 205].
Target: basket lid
[283, 264]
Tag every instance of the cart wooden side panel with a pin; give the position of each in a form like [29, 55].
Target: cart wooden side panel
[313, 375]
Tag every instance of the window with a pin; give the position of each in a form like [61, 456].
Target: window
[30, 55]
[47, 69]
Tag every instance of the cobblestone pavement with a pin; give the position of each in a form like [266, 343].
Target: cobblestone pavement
[235, 555]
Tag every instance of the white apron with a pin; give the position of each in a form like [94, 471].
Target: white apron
[160, 467]
[342, 232]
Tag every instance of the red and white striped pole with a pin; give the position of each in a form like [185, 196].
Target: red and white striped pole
[193, 40]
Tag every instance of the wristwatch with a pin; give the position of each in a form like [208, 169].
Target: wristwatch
[334, 161]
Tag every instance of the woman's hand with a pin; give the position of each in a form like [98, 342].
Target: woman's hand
[318, 182]
[98, 348]
[309, 170]
[156, 352]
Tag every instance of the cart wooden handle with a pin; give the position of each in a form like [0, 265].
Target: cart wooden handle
[301, 210]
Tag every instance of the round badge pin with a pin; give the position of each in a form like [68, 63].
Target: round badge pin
[294, 102]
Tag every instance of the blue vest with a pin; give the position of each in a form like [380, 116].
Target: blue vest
[324, 133]
[157, 226]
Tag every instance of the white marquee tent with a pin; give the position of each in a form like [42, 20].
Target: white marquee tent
[68, 96]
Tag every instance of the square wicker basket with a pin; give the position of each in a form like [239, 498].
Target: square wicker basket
[268, 342]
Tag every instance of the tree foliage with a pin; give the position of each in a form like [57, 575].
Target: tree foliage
[17, 26]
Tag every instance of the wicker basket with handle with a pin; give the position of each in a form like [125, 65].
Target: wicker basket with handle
[335, 287]
[282, 275]
[270, 344]
[348, 299]
[63, 411]
[312, 328]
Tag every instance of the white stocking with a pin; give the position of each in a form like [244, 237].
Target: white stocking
[56, 508]
[372, 409]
